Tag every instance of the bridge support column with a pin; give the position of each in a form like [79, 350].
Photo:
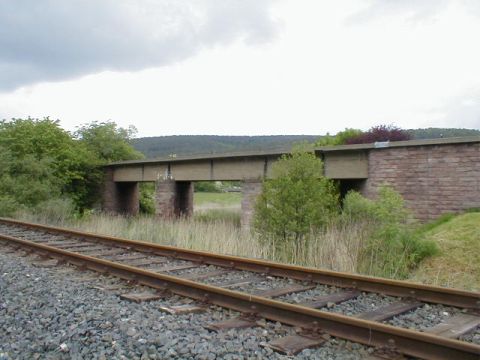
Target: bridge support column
[120, 197]
[250, 191]
[173, 198]
[184, 199]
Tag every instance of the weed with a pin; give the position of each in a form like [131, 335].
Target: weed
[393, 246]
[218, 215]
[370, 237]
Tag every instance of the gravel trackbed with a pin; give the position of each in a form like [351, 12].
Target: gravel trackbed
[57, 313]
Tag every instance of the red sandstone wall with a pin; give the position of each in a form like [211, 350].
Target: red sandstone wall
[110, 195]
[120, 198]
[433, 179]
[165, 197]
[129, 197]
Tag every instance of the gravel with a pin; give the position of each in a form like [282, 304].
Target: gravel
[428, 316]
[266, 284]
[318, 291]
[55, 313]
[196, 270]
[473, 336]
[424, 317]
[24, 233]
[363, 303]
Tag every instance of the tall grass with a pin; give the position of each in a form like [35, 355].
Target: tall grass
[337, 248]
[395, 245]
[226, 216]
[368, 238]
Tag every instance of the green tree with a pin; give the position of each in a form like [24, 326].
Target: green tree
[340, 138]
[108, 141]
[39, 138]
[25, 182]
[296, 200]
[39, 161]
[44, 139]
[380, 133]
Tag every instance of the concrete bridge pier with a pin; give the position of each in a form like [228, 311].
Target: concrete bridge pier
[173, 198]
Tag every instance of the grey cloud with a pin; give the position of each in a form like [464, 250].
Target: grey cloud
[55, 39]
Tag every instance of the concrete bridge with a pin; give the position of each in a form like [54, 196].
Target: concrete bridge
[434, 176]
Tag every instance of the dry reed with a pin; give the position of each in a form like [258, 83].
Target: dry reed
[337, 247]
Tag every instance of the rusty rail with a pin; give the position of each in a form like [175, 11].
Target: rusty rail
[426, 293]
[367, 332]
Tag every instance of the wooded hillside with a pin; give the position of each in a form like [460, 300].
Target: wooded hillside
[204, 144]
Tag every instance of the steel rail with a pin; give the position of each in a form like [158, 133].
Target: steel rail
[421, 292]
[370, 333]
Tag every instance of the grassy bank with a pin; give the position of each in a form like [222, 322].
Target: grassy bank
[458, 262]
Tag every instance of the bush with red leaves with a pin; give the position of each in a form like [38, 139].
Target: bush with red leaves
[380, 133]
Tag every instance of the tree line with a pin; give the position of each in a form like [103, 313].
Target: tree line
[40, 161]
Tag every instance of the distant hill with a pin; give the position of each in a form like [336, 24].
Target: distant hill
[205, 144]
[160, 146]
[435, 133]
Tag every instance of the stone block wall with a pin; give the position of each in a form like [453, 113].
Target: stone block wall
[250, 191]
[165, 197]
[110, 193]
[120, 197]
[432, 179]
[129, 198]
[173, 198]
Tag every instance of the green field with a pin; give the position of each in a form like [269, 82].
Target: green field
[206, 200]
[218, 206]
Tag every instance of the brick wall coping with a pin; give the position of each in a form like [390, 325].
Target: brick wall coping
[281, 151]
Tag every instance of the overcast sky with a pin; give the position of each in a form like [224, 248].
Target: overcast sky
[242, 67]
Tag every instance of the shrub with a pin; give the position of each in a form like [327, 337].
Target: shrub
[297, 200]
[340, 138]
[147, 198]
[380, 133]
[206, 186]
[8, 205]
[40, 161]
[26, 181]
[394, 246]
[57, 210]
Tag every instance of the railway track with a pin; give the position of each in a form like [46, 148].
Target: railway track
[353, 307]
